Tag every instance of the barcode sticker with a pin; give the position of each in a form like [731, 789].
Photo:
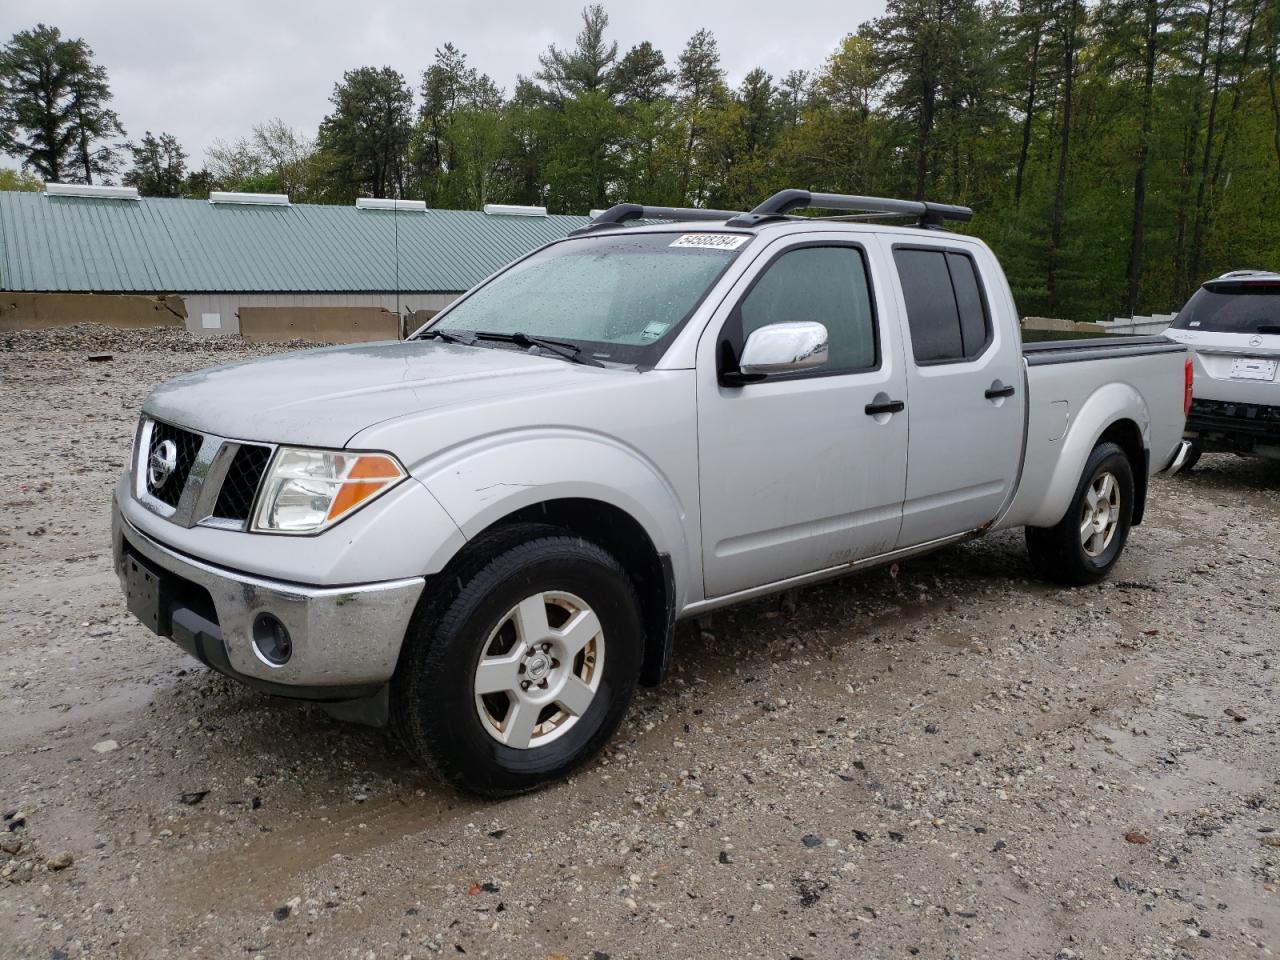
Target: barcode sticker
[711, 241]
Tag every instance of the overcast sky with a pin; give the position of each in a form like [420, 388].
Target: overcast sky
[211, 71]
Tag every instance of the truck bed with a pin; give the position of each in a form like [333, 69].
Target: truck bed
[1139, 380]
[1096, 348]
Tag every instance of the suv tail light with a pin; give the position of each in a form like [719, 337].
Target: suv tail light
[1188, 379]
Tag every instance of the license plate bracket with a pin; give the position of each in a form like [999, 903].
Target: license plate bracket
[142, 592]
[1253, 368]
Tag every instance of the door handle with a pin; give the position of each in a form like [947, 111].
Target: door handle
[995, 393]
[889, 406]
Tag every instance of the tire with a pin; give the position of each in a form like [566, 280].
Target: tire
[1072, 554]
[1193, 457]
[511, 739]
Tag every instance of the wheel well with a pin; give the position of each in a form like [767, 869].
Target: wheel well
[618, 532]
[1128, 437]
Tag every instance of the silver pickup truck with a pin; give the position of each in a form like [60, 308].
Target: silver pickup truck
[486, 534]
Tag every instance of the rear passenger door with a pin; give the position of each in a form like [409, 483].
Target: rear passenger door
[964, 380]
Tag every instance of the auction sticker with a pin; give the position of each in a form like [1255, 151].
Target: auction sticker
[711, 241]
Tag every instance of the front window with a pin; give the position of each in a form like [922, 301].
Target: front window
[1232, 308]
[821, 283]
[619, 297]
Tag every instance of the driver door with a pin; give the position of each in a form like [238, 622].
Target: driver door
[796, 474]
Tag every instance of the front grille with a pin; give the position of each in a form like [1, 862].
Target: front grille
[235, 499]
[1257, 419]
[186, 446]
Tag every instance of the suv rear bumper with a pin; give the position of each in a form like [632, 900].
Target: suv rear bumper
[1233, 427]
[345, 640]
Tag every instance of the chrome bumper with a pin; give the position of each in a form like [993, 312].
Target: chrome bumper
[346, 640]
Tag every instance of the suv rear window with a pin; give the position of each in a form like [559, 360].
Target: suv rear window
[1232, 308]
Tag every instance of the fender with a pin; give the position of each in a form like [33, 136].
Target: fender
[483, 480]
[1107, 405]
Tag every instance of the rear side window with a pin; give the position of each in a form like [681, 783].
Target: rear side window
[1232, 308]
[946, 309]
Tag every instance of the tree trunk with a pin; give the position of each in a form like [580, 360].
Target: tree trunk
[928, 104]
[1205, 211]
[1032, 79]
[1193, 264]
[1182, 282]
[85, 156]
[1246, 48]
[1064, 147]
[1144, 149]
[1273, 54]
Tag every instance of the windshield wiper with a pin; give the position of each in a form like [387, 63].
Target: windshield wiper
[1268, 328]
[466, 339]
[561, 348]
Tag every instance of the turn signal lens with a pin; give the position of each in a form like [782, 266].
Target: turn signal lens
[309, 490]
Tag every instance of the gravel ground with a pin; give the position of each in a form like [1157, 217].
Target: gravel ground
[945, 760]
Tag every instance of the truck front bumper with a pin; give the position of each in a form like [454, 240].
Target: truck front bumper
[343, 642]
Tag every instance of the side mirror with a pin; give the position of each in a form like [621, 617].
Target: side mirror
[784, 348]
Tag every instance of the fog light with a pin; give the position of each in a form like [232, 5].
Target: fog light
[271, 640]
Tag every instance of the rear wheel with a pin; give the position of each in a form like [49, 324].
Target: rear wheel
[1084, 546]
[526, 671]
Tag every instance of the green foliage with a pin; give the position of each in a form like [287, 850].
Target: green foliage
[54, 108]
[274, 158]
[1116, 152]
[11, 179]
[364, 141]
[159, 166]
[586, 68]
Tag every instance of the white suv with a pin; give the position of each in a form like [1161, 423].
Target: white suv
[1232, 326]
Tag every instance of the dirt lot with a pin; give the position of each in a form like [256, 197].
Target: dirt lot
[955, 761]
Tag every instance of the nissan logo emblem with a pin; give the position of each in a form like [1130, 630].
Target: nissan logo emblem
[163, 461]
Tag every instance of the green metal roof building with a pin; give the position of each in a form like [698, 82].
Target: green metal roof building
[258, 250]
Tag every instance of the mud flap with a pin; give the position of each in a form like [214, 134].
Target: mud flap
[658, 644]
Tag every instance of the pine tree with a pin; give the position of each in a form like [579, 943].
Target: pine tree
[585, 68]
[363, 143]
[159, 166]
[55, 113]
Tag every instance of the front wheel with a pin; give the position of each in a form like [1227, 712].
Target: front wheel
[526, 671]
[1084, 546]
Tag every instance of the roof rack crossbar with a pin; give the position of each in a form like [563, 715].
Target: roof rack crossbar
[931, 215]
[621, 213]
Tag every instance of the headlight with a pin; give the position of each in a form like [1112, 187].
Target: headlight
[308, 490]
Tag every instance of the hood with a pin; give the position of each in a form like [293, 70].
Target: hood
[324, 397]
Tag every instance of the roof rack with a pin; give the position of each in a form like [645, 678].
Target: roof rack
[931, 216]
[780, 204]
[620, 213]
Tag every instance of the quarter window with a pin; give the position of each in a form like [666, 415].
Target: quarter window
[824, 284]
[946, 310]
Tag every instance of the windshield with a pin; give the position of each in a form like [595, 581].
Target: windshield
[619, 297]
[1232, 308]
